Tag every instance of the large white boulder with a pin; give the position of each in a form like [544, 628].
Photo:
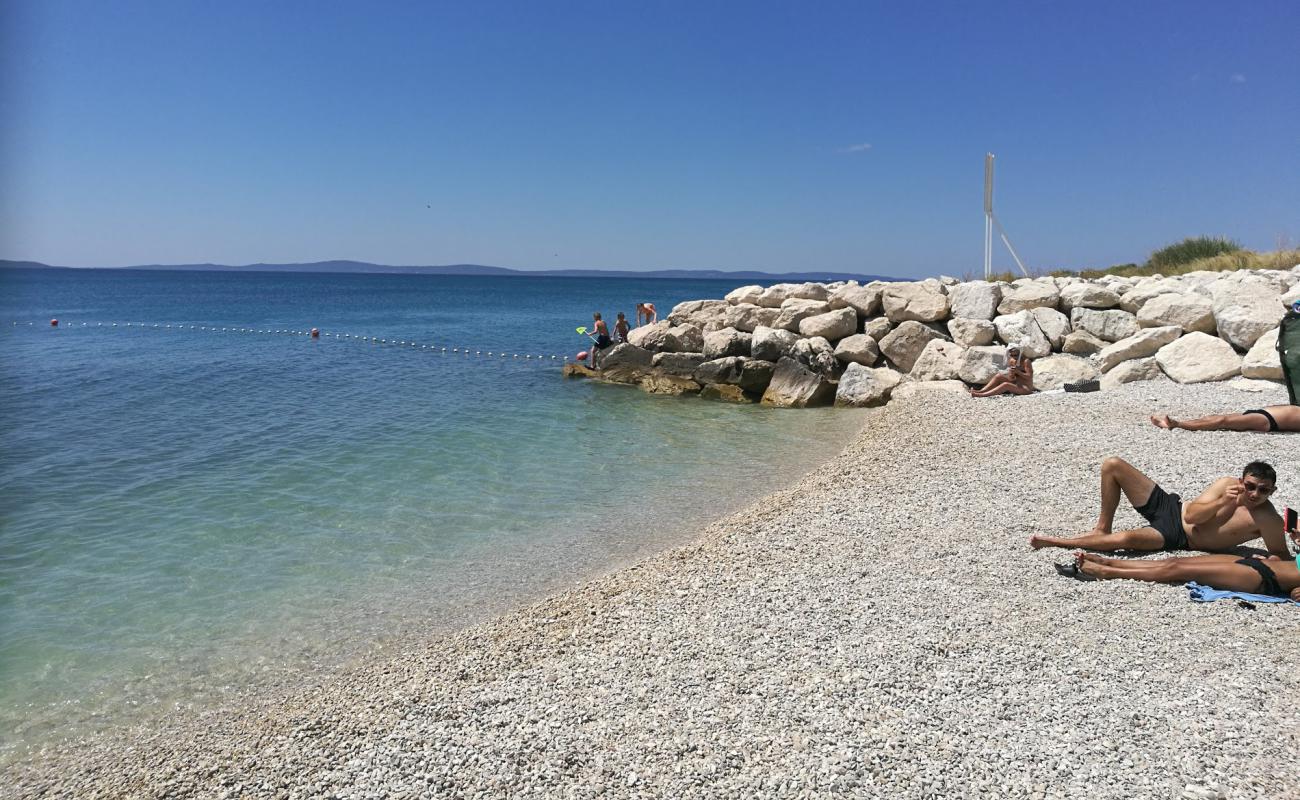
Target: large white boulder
[650, 337]
[979, 364]
[683, 339]
[1199, 357]
[1246, 311]
[1111, 325]
[1054, 325]
[747, 316]
[792, 386]
[726, 342]
[1088, 295]
[970, 332]
[1145, 289]
[683, 364]
[745, 294]
[1191, 312]
[796, 310]
[863, 299]
[832, 326]
[625, 355]
[771, 344]
[904, 344]
[877, 327]
[975, 300]
[939, 361]
[1031, 294]
[1146, 342]
[1021, 330]
[810, 291]
[1055, 371]
[1081, 343]
[856, 349]
[774, 295]
[864, 386]
[1139, 369]
[915, 301]
[707, 315]
[817, 355]
[1263, 361]
[719, 370]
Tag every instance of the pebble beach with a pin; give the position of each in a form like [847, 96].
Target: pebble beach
[879, 629]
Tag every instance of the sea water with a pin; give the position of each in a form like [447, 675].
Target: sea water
[188, 513]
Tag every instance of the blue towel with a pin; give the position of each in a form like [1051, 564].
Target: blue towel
[1206, 594]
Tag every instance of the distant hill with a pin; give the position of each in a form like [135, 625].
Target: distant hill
[478, 269]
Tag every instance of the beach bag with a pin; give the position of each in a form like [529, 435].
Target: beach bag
[1288, 350]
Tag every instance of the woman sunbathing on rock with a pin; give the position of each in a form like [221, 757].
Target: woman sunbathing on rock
[1017, 378]
[1275, 576]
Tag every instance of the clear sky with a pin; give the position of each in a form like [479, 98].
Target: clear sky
[843, 136]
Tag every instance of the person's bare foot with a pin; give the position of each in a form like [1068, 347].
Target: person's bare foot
[1164, 421]
[1039, 542]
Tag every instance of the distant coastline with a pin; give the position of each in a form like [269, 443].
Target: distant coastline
[477, 270]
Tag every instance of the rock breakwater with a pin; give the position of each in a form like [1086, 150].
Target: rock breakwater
[808, 344]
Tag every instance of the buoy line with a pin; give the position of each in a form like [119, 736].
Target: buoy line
[312, 333]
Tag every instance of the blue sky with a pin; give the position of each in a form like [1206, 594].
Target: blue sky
[698, 135]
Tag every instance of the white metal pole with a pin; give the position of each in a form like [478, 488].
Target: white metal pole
[988, 215]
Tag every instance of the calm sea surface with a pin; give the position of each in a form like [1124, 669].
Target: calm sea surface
[186, 513]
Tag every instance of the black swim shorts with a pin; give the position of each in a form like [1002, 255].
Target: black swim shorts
[1272, 423]
[1267, 578]
[603, 341]
[1165, 513]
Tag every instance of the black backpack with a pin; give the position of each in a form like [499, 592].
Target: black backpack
[1288, 350]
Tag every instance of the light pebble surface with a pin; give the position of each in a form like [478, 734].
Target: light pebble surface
[881, 629]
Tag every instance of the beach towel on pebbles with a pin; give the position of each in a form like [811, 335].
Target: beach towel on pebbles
[1206, 594]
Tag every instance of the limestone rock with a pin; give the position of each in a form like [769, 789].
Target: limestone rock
[796, 310]
[707, 315]
[1138, 369]
[863, 299]
[726, 342]
[858, 349]
[666, 383]
[975, 300]
[1054, 372]
[728, 393]
[1146, 289]
[979, 364]
[1021, 330]
[1245, 312]
[832, 326]
[650, 337]
[914, 301]
[681, 364]
[1081, 343]
[1053, 324]
[756, 374]
[1088, 295]
[1263, 360]
[877, 327]
[624, 373]
[1199, 357]
[578, 370]
[1034, 294]
[683, 339]
[774, 295]
[625, 355]
[809, 291]
[904, 344]
[792, 386]
[747, 317]
[939, 361]
[745, 295]
[1111, 325]
[1146, 342]
[816, 354]
[770, 344]
[1191, 312]
[971, 332]
[864, 386]
[720, 370]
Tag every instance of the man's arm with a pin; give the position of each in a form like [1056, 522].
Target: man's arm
[1270, 530]
[1222, 493]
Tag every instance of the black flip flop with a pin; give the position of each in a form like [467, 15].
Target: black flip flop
[1072, 570]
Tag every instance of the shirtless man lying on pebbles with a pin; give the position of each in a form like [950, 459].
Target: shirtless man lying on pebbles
[1229, 513]
[1269, 419]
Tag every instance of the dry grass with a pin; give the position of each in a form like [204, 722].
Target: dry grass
[1224, 262]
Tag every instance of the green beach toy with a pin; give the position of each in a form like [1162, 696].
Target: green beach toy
[582, 329]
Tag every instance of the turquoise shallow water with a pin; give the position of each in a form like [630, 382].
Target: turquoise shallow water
[186, 513]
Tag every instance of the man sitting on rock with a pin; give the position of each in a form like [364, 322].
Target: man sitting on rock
[1269, 419]
[1229, 513]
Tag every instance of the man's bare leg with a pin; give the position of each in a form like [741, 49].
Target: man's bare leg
[1215, 422]
[1117, 475]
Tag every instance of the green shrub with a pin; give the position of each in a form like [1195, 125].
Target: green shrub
[1189, 250]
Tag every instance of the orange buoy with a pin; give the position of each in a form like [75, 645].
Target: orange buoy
[315, 333]
[581, 356]
[54, 323]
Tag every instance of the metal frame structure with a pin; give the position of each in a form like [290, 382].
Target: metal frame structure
[991, 220]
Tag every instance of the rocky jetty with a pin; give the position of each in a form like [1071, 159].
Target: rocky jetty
[807, 344]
